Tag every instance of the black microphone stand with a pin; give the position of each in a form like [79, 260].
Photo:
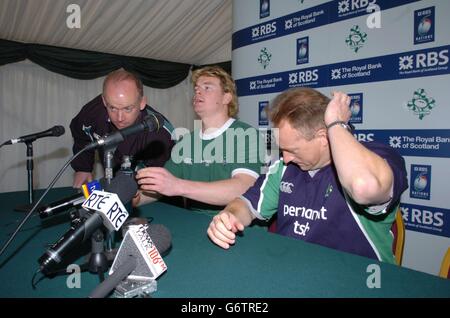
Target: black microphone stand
[30, 166]
[109, 162]
[100, 260]
[109, 171]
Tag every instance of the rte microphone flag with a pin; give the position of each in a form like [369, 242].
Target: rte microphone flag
[88, 188]
[110, 208]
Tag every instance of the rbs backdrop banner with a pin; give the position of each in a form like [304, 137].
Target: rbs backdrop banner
[392, 58]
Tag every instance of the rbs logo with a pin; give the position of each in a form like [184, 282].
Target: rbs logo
[432, 59]
[264, 29]
[423, 60]
[351, 5]
[424, 217]
[303, 76]
[308, 76]
[364, 137]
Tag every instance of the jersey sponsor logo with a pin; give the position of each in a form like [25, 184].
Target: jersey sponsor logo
[304, 215]
[305, 212]
[286, 187]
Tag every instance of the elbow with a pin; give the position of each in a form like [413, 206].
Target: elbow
[365, 191]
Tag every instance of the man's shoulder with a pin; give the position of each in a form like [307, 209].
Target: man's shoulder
[94, 108]
[167, 124]
[92, 113]
[94, 104]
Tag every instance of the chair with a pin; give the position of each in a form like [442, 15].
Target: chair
[273, 224]
[398, 230]
[445, 266]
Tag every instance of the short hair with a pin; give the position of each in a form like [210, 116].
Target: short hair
[226, 82]
[304, 108]
[124, 75]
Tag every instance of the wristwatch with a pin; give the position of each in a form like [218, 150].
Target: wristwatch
[340, 123]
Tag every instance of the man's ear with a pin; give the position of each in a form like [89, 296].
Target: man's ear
[227, 98]
[322, 134]
[143, 103]
[103, 99]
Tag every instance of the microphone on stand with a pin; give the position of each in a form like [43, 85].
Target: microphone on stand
[150, 123]
[28, 139]
[55, 131]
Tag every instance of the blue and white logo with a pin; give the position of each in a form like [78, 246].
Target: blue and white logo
[286, 187]
[264, 8]
[303, 78]
[262, 114]
[424, 62]
[264, 31]
[356, 108]
[426, 219]
[434, 143]
[303, 50]
[420, 182]
[424, 25]
[347, 8]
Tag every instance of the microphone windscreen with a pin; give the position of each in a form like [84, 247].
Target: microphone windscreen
[124, 185]
[161, 236]
[58, 131]
[154, 121]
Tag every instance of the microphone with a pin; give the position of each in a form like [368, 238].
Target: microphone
[110, 212]
[55, 131]
[138, 259]
[74, 201]
[150, 123]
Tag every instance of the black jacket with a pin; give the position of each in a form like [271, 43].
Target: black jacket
[148, 148]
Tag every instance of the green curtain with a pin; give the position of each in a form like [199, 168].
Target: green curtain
[81, 64]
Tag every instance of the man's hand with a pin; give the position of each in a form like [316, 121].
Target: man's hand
[338, 108]
[155, 179]
[223, 227]
[81, 178]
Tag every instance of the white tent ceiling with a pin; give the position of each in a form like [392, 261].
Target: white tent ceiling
[186, 31]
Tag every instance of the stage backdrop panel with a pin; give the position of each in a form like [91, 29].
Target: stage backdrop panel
[392, 58]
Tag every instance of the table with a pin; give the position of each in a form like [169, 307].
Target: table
[260, 265]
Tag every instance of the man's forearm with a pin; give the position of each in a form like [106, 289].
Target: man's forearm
[218, 192]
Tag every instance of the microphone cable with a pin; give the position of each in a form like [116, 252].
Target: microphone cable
[33, 283]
